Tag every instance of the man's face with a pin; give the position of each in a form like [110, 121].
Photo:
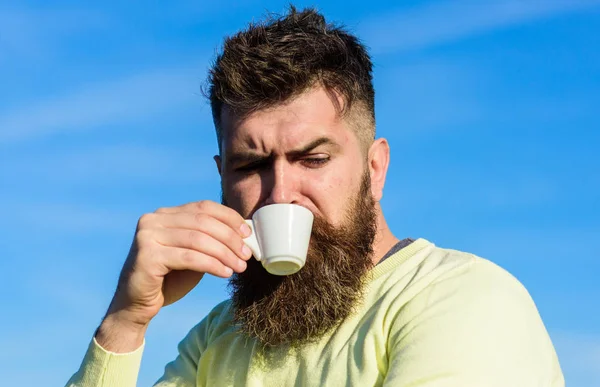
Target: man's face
[301, 153]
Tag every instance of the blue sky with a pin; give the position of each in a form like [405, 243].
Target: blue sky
[491, 110]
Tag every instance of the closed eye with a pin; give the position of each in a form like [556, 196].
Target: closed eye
[315, 162]
[257, 165]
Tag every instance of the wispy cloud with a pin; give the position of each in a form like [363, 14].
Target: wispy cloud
[33, 33]
[428, 96]
[137, 98]
[442, 22]
[486, 194]
[114, 164]
[69, 219]
[122, 166]
[579, 355]
[537, 245]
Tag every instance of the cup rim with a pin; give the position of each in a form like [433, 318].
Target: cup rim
[282, 204]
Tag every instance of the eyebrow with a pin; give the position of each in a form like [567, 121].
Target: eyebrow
[251, 157]
[312, 145]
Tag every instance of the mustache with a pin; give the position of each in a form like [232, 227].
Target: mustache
[304, 306]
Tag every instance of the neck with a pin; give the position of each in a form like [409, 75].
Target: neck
[384, 239]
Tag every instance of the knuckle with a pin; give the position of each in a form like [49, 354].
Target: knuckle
[226, 254]
[200, 218]
[234, 260]
[142, 237]
[145, 220]
[161, 210]
[233, 237]
[203, 205]
[187, 257]
[214, 266]
[143, 255]
[195, 239]
[190, 236]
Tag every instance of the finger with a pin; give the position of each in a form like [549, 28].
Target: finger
[223, 213]
[202, 243]
[206, 224]
[185, 259]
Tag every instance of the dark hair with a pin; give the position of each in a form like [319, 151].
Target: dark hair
[277, 59]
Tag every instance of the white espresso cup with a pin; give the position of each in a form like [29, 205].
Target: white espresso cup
[280, 237]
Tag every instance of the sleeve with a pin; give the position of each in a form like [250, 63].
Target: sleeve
[478, 328]
[102, 368]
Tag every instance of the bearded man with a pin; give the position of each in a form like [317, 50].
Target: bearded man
[293, 106]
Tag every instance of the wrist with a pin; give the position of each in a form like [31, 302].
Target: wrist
[118, 334]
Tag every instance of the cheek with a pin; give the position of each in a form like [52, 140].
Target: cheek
[331, 192]
[242, 196]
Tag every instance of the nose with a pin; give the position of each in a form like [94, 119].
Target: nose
[281, 184]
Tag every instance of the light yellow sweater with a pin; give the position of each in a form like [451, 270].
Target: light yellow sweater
[430, 317]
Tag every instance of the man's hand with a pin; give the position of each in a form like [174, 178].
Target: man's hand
[172, 249]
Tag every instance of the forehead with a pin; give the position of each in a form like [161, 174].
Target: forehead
[312, 114]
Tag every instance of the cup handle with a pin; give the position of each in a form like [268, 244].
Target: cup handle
[252, 241]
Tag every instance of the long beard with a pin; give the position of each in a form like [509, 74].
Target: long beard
[304, 306]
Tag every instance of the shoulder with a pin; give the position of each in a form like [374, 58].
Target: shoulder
[436, 270]
[431, 274]
[474, 320]
[483, 306]
[475, 281]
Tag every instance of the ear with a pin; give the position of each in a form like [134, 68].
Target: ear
[217, 159]
[379, 160]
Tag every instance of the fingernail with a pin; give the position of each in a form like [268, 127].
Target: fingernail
[246, 251]
[228, 271]
[246, 230]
